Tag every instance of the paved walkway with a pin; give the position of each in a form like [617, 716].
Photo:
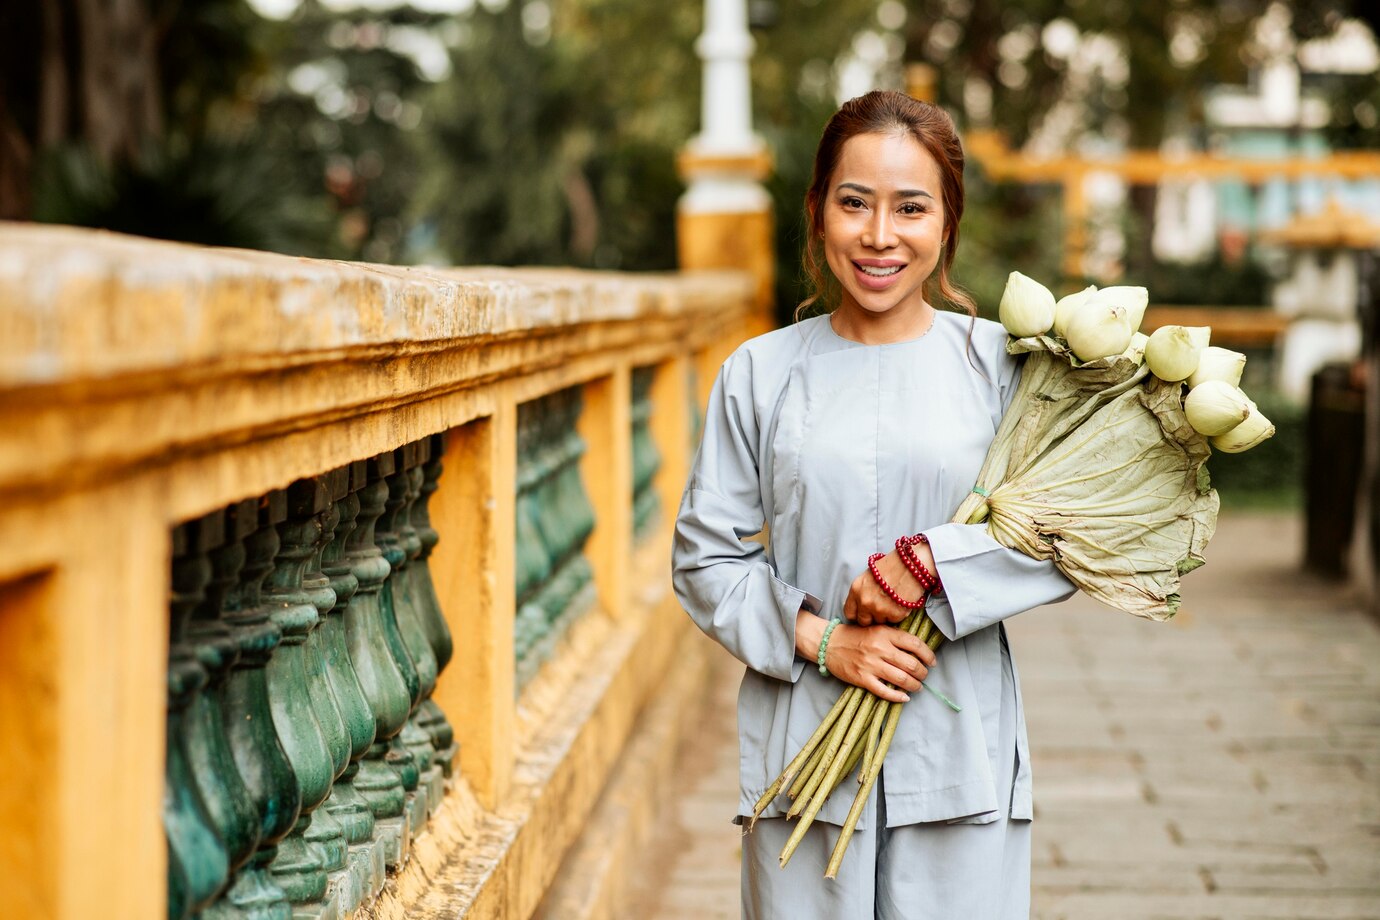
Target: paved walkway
[1223, 765]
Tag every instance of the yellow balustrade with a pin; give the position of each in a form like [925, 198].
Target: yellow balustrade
[144, 384]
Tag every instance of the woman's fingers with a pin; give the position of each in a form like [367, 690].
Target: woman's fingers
[877, 688]
[862, 612]
[898, 678]
[904, 640]
[908, 663]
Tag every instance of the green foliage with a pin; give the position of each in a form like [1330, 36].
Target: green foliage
[551, 149]
[553, 137]
[215, 195]
[1005, 228]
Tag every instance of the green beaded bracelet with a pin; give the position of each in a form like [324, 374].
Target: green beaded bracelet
[824, 644]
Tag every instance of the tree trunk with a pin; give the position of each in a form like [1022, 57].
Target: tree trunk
[54, 98]
[120, 99]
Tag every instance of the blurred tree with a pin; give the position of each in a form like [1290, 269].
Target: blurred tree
[519, 131]
[555, 140]
[342, 109]
[1057, 75]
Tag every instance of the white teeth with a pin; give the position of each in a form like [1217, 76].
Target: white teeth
[880, 272]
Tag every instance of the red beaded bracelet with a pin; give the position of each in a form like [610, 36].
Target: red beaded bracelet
[905, 548]
[890, 591]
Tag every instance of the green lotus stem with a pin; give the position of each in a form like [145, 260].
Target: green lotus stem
[804, 757]
[873, 733]
[893, 719]
[805, 775]
[835, 740]
[837, 759]
[806, 786]
[855, 757]
[807, 790]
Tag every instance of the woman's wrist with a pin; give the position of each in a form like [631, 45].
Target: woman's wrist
[809, 629]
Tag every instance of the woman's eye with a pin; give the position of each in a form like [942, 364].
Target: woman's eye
[851, 202]
[912, 208]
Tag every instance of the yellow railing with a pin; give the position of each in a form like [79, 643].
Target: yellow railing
[147, 384]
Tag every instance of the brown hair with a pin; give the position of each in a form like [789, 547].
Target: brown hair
[887, 112]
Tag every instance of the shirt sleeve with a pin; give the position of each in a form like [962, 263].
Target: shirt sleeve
[723, 580]
[985, 582]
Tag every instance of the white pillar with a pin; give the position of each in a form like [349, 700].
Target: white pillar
[724, 162]
[726, 101]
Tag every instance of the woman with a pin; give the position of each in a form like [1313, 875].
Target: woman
[841, 434]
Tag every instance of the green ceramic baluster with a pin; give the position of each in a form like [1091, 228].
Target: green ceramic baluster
[259, 756]
[571, 518]
[316, 588]
[198, 864]
[433, 720]
[388, 538]
[695, 415]
[532, 561]
[389, 535]
[345, 803]
[645, 460]
[404, 587]
[320, 494]
[407, 598]
[553, 506]
[437, 630]
[300, 866]
[379, 676]
[227, 801]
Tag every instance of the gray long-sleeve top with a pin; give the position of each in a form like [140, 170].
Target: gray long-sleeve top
[838, 448]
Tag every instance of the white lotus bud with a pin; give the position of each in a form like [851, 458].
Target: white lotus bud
[1218, 364]
[1136, 350]
[1027, 306]
[1173, 351]
[1098, 330]
[1133, 299]
[1255, 429]
[1216, 407]
[1069, 305]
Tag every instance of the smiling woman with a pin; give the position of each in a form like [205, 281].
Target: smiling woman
[849, 434]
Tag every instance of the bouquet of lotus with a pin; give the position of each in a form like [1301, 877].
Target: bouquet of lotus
[1099, 465]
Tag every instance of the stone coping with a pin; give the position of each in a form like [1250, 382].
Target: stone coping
[78, 304]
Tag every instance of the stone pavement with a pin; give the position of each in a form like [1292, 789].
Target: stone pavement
[1223, 765]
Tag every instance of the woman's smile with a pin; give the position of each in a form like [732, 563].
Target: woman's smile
[878, 274]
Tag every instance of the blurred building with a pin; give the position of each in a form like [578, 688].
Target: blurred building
[1281, 113]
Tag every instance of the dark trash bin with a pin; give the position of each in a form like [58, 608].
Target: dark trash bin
[1335, 458]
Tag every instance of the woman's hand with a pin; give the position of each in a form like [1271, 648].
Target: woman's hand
[867, 603]
[873, 657]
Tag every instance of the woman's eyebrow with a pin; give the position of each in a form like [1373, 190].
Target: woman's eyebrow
[900, 193]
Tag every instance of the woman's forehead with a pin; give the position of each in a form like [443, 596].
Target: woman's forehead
[887, 162]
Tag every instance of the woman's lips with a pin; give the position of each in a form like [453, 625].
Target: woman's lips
[875, 282]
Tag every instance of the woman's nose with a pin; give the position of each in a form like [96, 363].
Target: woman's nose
[880, 232]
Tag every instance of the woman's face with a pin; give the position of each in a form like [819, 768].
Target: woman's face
[883, 222]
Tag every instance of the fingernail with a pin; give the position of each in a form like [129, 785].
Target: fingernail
[905, 697]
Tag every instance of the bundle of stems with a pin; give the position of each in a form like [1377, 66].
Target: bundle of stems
[858, 730]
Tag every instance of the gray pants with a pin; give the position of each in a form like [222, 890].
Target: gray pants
[914, 872]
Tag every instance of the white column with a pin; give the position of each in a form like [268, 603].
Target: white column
[725, 118]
